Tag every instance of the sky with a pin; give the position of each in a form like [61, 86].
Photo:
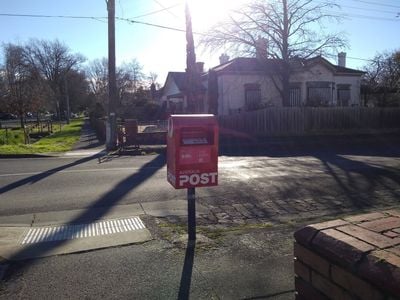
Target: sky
[371, 27]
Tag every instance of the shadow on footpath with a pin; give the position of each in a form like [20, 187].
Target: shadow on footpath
[102, 205]
[187, 271]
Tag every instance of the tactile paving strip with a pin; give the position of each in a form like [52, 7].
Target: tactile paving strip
[69, 232]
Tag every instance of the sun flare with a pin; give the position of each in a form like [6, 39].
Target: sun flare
[206, 13]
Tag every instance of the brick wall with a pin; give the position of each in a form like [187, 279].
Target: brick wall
[352, 258]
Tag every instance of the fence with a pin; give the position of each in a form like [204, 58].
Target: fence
[297, 121]
[12, 133]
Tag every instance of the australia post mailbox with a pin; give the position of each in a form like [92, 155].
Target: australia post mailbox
[192, 151]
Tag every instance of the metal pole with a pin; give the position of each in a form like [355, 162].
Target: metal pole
[112, 82]
[191, 197]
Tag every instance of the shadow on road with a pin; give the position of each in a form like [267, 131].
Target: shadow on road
[37, 177]
[346, 173]
[371, 145]
[102, 205]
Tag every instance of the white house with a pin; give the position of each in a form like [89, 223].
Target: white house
[174, 92]
[243, 84]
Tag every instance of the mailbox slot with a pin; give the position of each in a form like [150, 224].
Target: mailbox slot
[196, 136]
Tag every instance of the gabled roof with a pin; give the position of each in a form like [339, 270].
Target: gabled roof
[334, 68]
[251, 64]
[180, 80]
[246, 64]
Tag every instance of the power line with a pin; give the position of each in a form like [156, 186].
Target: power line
[100, 19]
[168, 10]
[158, 26]
[349, 57]
[370, 9]
[377, 3]
[142, 23]
[361, 16]
[156, 11]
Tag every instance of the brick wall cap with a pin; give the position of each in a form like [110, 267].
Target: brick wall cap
[305, 235]
[365, 217]
[343, 249]
[383, 269]
[393, 212]
[383, 224]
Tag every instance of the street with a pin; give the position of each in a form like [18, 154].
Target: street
[276, 185]
[245, 224]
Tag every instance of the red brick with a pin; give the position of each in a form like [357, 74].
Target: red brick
[397, 230]
[311, 259]
[302, 270]
[394, 250]
[305, 235]
[391, 234]
[340, 247]
[382, 224]
[305, 291]
[328, 288]
[393, 212]
[355, 285]
[370, 237]
[330, 224]
[365, 217]
[383, 269]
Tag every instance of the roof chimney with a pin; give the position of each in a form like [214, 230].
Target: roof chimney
[261, 48]
[224, 58]
[200, 67]
[342, 59]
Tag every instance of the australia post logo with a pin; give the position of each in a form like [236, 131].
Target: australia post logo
[194, 180]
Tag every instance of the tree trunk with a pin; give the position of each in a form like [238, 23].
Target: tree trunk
[285, 56]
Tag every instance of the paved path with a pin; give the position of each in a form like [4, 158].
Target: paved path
[88, 138]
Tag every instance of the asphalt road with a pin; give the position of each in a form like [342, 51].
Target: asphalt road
[254, 264]
[53, 184]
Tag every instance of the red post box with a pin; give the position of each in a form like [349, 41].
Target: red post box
[192, 151]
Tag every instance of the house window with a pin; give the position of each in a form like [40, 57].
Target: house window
[295, 94]
[343, 95]
[252, 94]
[319, 93]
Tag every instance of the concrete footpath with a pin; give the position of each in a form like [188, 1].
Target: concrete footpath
[252, 261]
[15, 229]
[242, 262]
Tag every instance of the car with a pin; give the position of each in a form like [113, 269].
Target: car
[7, 116]
[150, 128]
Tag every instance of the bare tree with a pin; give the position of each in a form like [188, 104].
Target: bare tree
[24, 88]
[382, 78]
[53, 60]
[129, 79]
[282, 30]
[132, 72]
[152, 78]
[97, 75]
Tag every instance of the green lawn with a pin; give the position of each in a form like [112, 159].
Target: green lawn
[59, 141]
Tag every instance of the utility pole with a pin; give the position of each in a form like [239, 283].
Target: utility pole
[191, 72]
[112, 82]
[67, 98]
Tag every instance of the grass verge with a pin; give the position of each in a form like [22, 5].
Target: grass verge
[60, 141]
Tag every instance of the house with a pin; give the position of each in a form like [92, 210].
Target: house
[244, 84]
[173, 96]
